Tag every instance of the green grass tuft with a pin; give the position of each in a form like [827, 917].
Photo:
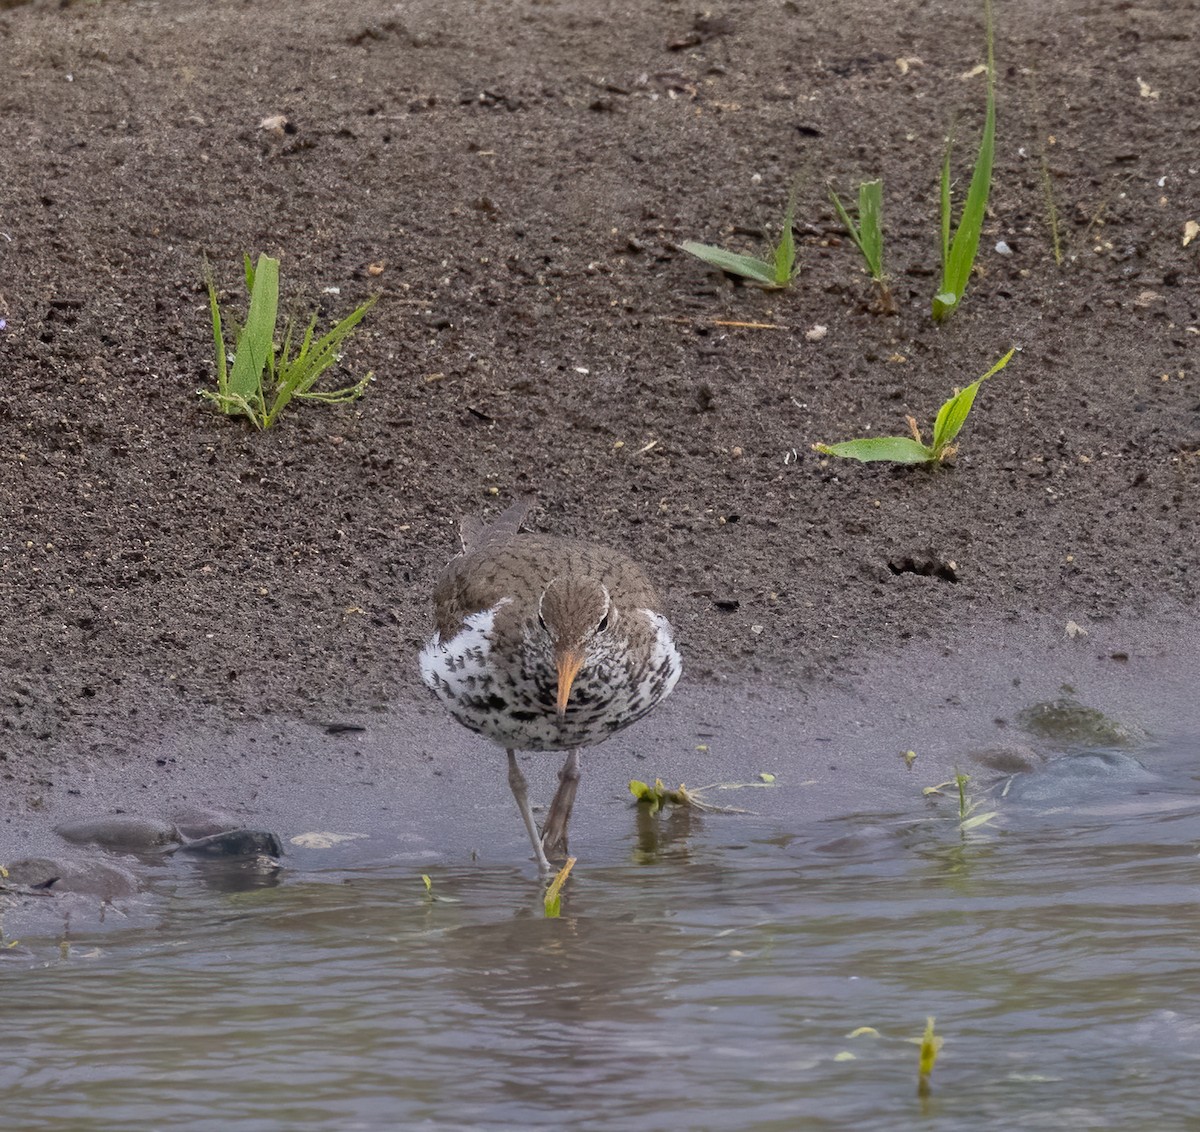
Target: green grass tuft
[264, 378]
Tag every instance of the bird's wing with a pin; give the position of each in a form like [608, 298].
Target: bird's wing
[501, 568]
[477, 533]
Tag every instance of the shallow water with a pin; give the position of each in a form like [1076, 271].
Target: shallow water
[706, 972]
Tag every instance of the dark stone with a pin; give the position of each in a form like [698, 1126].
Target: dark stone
[121, 833]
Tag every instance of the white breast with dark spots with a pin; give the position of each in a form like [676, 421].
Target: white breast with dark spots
[511, 700]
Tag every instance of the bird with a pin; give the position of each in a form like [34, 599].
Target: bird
[546, 644]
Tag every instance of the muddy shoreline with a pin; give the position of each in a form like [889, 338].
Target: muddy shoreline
[424, 790]
[524, 176]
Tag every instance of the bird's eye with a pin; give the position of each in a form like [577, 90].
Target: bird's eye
[603, 624]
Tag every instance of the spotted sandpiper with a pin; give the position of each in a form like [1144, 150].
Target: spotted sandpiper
[546, 644]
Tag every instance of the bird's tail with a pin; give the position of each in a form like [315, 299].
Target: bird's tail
[477, 532]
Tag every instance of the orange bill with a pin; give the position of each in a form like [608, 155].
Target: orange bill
[568, 662]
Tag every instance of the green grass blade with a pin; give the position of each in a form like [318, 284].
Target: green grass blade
[966, 237]
[314, 359]
[867, 234]
[870, 226]
[897, 449]
[290, 376]
[959, 258]
[285, 349]
[218, 337]
[746, 266]
[785, 250]
[255, 346]
[293, 372]
[953, 414]
[947, 219]
[298, 375]
[248, 268]
[308, 337]
[846, 220]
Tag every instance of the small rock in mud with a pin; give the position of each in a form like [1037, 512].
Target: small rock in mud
[1067, 722]
[1070, 777]
[121, 833]
[92, 878]
[195, 822]
[320, 839]
[235, 843]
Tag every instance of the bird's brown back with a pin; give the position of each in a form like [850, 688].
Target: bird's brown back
[501, 563]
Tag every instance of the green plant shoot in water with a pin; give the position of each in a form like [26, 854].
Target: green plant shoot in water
[552, 901]
[968, 816]
[930, 1047]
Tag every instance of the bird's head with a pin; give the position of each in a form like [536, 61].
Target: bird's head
[574, 613]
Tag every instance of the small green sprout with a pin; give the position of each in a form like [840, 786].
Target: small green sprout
[432, 897]
[930, 1047]
[657, 797]
[1051, 212]
[552, 901]
[772, 274]
[912, 449]
[958, 255]
[867, 235]
[968, 819]
[264, 378]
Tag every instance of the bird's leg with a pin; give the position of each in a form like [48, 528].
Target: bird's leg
[520, 789]
[554, 831]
